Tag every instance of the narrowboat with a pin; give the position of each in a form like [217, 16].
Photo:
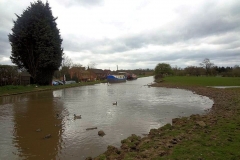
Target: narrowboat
[116, 78]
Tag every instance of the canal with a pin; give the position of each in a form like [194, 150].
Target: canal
[42, 125]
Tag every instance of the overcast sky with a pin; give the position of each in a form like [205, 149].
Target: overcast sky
[137, 34]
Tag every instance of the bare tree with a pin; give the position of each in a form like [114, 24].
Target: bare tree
[92, 65]
[194, 70]
[208, 65]
[63, 71]
[67, 62]
[77, 65]
[236, 71]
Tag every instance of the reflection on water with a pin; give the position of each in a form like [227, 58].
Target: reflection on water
[26, 119]
[21, 118]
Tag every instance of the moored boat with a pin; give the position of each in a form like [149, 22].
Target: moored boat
[131, 77]
[116, 78]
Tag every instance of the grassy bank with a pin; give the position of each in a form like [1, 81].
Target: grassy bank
[214, 135]
[203, 81]
[18, 89]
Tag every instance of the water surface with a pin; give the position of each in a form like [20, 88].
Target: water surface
[139, 108]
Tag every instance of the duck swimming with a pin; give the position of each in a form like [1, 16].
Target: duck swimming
[115, 103]
[77, 117]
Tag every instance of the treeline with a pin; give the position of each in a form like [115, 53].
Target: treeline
[10, 75]
[205, 68]
[213, 71]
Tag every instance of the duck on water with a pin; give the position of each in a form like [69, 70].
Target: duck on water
[77, 117]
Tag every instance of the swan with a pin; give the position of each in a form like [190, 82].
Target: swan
[77, 117]
[115, 103]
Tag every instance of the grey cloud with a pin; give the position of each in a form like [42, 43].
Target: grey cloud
[86, 3]
[6, 18]
[209, 21]
[231, 37]
[233, 45]
[4, 44]
[6, 22]
[212, 19]
[206, 22]
[7, 11]
[121, 44]
[235, 5]
[95, 46]
[189, 55]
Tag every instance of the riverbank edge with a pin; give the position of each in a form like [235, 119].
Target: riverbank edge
[35, 88]
[175, 141]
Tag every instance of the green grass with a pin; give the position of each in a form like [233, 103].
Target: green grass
[19, 89]
[203, 81]
[223, 143]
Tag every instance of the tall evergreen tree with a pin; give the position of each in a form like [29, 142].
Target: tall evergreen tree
[36, 42]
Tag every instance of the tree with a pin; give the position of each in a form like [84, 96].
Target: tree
[77, 65]
[163, 68]
[194, 70]
[178, 71]
[66, 65]
[67, 62]
[236, 71]
[36, 42]
[92, 65]
[207, 65]
[8, 75]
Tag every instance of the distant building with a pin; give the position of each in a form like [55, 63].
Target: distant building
[98, 74]
[85, 76]
[106, 72]
[25, 78]
[81, 74]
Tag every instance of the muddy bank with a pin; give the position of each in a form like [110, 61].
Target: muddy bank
[207, 134]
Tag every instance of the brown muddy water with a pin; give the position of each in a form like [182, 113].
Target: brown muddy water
[26, 119]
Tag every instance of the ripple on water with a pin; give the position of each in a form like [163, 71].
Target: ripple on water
[139, 109]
